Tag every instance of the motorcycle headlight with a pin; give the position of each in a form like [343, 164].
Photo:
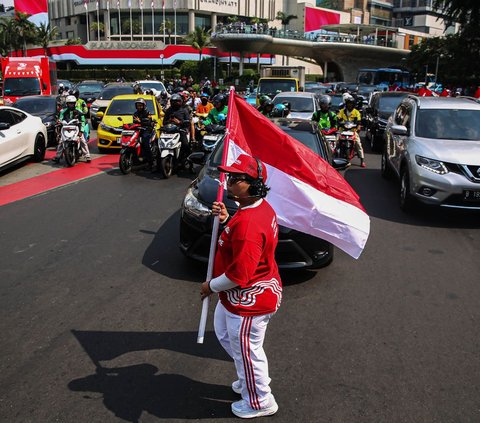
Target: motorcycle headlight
[432, 165]
[194, 207]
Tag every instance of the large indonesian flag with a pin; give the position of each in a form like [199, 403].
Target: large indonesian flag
[37, 9]
[306, 192]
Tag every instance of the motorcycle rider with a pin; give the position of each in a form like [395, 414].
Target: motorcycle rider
[164, 100]
[325, 118]
[180, 116]
[351, 114]
[205, 106]
[69, 113]
[143, 116]
[219, 112]
[261, 102]
[82, 106]
[267, 108]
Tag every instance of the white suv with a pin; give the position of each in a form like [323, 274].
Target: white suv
[432, 144]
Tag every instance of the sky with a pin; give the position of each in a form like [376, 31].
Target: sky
[7, 3]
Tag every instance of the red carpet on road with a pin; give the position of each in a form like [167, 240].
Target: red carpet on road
[57, 178]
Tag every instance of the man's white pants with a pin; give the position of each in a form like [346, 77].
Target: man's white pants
[242, 337]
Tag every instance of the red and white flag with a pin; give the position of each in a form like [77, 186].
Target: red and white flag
[306, 192]
[37, 9]
[163, 4]
[153, 4]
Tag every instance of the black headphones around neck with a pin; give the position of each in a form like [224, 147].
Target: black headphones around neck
[258, 188]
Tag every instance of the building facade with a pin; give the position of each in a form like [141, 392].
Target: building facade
[143, 19]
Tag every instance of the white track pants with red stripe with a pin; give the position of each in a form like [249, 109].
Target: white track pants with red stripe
[242, 338]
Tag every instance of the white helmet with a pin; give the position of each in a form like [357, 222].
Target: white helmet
[347, 97]
[71, 99]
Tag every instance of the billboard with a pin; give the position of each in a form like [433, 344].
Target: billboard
[316, 18]
[37, 9]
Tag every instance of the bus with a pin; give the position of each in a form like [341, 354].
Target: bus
[383, 78]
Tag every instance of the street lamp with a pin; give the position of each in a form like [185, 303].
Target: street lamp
[440, 56]
[161, 72]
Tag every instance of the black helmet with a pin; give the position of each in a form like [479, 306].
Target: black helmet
[176, 97]
[164, 94]
[219, 98]
[76, 92]
[268, 103]
[325, 100]
[140, 101]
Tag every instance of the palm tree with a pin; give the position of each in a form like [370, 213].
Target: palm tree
[198, 39]
[9, 38]
[169, 29]
[285, 19]
[97, 27]
[45, 34]
[25, 29]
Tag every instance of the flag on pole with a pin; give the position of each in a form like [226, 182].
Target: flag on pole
[108, 5]
[86, 4]
[174, 4]
[97, 5]
[306, 192]
[141, 4]
[118, 4]
[163, 4]
[153, 5]
[129, 4]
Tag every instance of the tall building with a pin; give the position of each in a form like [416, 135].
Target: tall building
[71, 16]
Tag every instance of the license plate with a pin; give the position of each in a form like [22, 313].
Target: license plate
[471, 195]
[119, 140]
[168, 135]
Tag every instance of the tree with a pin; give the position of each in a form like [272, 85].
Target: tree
[25, 29]
[97, 27]
[465, 12]
[135, 26]
[45, 34]
[285, 19]
[169, 29]
[198, 39]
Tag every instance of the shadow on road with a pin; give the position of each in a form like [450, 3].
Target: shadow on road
[129, 391]
[380, 199]
[163, 254]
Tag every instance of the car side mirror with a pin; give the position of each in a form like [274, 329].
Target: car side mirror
[4, 126]
[340, 164]
[399, 130]
[99, 115]
[197, 158]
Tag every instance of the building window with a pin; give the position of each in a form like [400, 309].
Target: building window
[68, 21]
[203, 21]
[70, 35]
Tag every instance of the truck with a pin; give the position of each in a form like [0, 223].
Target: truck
[24, 76]
[276, 79]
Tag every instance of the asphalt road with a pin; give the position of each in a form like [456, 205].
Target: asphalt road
[99, 313]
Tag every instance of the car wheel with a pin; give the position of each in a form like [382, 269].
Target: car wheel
[39, 148]
[406, 199]
[384, 167]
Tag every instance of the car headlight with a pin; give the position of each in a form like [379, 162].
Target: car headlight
[194, 207]
[432, 165]
[106, 127]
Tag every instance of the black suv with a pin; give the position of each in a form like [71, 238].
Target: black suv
[89, 90]
[382, 105]
[295, 249]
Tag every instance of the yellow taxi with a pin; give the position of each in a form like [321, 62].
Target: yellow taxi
[109, 131]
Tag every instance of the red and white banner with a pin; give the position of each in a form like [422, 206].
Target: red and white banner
[306, 192]
[37, 9]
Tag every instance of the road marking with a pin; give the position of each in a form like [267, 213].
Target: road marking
[46, 182]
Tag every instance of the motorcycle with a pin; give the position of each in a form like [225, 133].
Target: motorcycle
[345, 148]
[131, 141]
[70, 138]
[169, 146]
[214, 135]
[330, 135]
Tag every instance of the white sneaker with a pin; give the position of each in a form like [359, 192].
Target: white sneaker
[243, 410]
[237, 387]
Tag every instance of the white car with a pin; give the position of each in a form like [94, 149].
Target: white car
[302, 104]
[150, 84]
[22, 137]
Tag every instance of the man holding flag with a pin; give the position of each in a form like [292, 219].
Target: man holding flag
[247, 280]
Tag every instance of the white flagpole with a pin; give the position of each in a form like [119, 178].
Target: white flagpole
[98, 21]
[119, 21]
[175, 20]
[86, 13]
[108, 19]
[153, 22]
[141, 12]
[163, 6]
[216, 223]
[131, 22]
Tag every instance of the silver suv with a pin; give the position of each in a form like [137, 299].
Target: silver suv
[432, 144]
